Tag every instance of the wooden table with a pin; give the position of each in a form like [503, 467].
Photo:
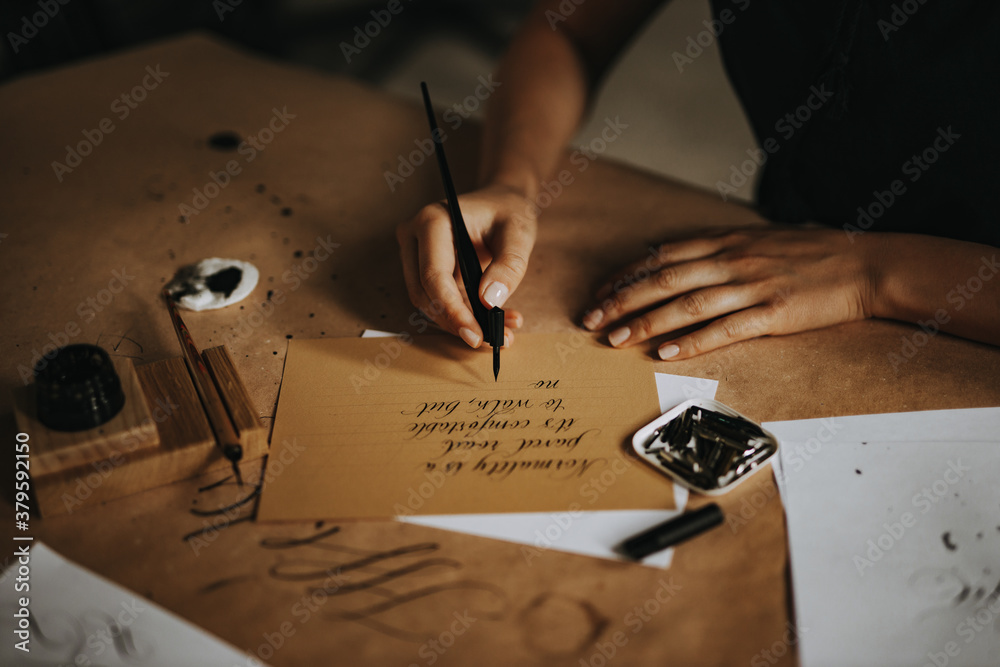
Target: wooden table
[86, 251]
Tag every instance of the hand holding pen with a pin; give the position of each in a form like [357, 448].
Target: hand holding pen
[502, 227]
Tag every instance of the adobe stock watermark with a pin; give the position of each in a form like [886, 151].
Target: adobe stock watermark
[303, 609]
[776, 651]
[565, 10]
[696, 44]
[798, 455]
[213, 525]
[432, 650]
[161, 410]
[986, 618]
[249, 148]
[913, 168]
[635, 620]
[958, 297]
[454, 117]
[925, 500]
[87, 310]
[295, 276]
[900, 14]
[363, 35]
[786, 127]
[122, 106]
[30, 25]
[580, 158]
[561, 522]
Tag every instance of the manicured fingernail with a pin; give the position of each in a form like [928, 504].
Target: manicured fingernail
[593, 319]
[496, 294]
[619, 336]
[669, 351]
[469, 336]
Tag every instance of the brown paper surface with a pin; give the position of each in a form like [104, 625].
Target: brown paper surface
[380, 427]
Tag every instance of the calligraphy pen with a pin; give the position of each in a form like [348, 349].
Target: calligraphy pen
[222, 426]
[490, 321]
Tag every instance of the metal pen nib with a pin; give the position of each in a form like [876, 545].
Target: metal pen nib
[234, 453]
[496, 334]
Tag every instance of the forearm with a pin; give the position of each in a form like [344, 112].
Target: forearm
[536, 109]
[920, 278]
[546, 80]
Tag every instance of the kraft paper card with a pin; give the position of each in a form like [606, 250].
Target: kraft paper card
[382, 427]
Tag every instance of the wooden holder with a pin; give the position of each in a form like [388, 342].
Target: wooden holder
[161, 436]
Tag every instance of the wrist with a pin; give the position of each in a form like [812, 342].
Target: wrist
[522, 182]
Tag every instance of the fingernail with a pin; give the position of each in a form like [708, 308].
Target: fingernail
[669, 351]
[469, 336]
[593, 319]
[619, 336]
[496, 294]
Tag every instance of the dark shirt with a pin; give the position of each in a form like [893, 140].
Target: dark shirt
[902, 133]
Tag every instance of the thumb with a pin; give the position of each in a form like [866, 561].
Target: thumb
[511, 248]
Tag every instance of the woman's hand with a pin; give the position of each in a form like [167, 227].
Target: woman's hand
[503, 226]
[740, 284]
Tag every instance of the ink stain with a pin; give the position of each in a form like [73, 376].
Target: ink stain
[297, 254]
[979, 536]
[856, 470]
[182, 219]
[948, 544]
[275, 353]
[225, 281]
[270, 293]
[171, 254]
[287, 211]
[312, 314]
[288, 336]
[260, 187]
[224, 141]
[558, 625]
[222, 583]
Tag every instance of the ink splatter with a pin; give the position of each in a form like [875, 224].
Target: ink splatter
[297, 254]
[287, 211]
[857, 471]
[288, 336]
[224, 141]
[312, 314]
[225, 281]
[270, 293]
[275, 353]
[948, 544]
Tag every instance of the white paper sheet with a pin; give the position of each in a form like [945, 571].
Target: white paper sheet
[80, 618]
[894, 534]
[576, 530]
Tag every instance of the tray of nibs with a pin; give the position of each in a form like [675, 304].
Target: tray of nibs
[705, 445]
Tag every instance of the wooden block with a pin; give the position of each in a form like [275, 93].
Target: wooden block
[252, 433]
[55, 451]
[179, 443]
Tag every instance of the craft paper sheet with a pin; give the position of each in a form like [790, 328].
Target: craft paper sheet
[381, 427]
